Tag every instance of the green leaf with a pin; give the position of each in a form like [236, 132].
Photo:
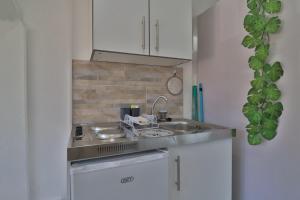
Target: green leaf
[267, 67]
[253, 129]
[255, 99]
[269, 134]
[248, 109]
[255, 117]
[260, 23]
[252, 91]
[255, 63]
[254, 139]
[272, 93]
[269, 128]
[251, 112]
[270, 124]
[272, 6]
[257, 74]
[278, 106]
[252, 4]
[254, 12]
[258, 83]
[262, 52]
[275, 72]
[249, 42]
[249, 21]
[254, 24]
[273, 25]
[273, 111]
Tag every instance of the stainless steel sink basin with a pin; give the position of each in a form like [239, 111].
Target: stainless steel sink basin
[107, 132]
[183, 126]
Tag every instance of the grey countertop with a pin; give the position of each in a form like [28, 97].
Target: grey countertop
[90, 147]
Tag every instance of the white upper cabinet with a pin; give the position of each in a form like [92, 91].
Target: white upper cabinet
[121, 26]
[171, 28]
[144, 27]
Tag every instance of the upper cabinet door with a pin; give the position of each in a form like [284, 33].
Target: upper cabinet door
[171, 28]
[121, 26]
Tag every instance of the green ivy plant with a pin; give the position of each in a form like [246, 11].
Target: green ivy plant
[263, 108]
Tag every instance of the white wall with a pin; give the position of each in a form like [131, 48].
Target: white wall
[82, 29]
[49, 40]
[187, 90]
[13, 116]
[271, 170]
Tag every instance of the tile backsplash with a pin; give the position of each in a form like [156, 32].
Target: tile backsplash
[101, 88]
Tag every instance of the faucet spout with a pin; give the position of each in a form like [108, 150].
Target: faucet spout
[155, 102]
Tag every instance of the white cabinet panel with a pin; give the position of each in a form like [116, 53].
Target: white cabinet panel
[121, 26]
[205, 171]
[144, 27]
[171, 28]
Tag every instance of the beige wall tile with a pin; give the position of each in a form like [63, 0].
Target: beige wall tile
[101, 88]
[84, 70]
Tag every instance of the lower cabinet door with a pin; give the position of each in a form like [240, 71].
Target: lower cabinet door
[201, 171]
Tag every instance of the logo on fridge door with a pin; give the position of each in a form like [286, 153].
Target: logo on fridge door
[128, 179]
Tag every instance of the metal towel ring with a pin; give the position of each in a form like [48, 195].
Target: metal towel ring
[175, 85]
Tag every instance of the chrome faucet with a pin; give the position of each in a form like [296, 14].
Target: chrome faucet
[155, 102]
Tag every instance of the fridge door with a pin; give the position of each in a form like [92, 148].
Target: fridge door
[139, 177]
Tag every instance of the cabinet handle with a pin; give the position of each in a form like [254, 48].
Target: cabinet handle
[178, 183]
[144, 33]
[157, 35]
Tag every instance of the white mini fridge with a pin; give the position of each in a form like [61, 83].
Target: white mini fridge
[133, 177]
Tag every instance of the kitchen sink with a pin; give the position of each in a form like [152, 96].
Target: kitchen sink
[107, 132]
[183, 126]
[176, 126]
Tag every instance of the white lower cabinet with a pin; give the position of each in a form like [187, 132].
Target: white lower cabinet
[201, 171]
